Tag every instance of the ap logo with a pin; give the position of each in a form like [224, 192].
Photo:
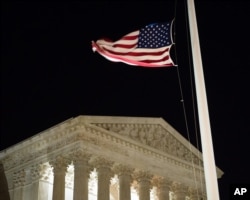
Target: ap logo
[240, 192]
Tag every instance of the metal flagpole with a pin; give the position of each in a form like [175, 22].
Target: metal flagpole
[204, 122]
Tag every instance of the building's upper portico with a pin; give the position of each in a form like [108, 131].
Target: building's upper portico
[138, 145]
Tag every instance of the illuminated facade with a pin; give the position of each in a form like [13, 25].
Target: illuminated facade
[105, 158]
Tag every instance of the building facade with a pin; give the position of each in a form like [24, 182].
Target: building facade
[105, 158]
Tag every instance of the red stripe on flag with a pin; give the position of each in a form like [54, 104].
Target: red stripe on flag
[136, 53]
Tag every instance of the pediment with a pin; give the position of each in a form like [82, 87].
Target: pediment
[152, 132]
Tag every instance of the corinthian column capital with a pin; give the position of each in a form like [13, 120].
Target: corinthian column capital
[163, 187]
[100, 162]
[81, 160]
[144, 184]
[160, 181]
[142, 176]
[124, 174]
[104, 174]
[120, 169]
[177, 187]
[102, 165]
[81, 175]
[180, 190]
[60, 163]
[80, 155]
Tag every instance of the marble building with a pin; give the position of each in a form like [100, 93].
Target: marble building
[105, 158]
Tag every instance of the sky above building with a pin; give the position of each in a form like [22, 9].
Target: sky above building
[49, 72]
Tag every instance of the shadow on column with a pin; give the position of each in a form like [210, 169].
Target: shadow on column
[4, 192]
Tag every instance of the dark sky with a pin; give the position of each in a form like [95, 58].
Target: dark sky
[49, 72]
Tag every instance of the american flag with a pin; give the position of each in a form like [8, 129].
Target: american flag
[147, 47]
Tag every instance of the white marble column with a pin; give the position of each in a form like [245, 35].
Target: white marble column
[180, 191]
[163, 187]
[103, 168]
[144, 184]
[59, 168]
[81, 175]
[124, 174]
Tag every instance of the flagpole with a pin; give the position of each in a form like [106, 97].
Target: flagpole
[205, 129]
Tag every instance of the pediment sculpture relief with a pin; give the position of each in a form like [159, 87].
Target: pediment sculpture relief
[153, 135]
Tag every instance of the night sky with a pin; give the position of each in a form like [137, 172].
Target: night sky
[49, 72]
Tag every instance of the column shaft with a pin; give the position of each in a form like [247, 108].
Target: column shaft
[124, 187]
[180, 191]
[180, 195]
[81, 177]
[144, 190]
[41, 190]
[103, 183]
[59, 184]
[144, 184]
[18, 194]
[163, 193]
[163, 188]
[40, 181]
[59, 169]
[124, 174]
[103, 168]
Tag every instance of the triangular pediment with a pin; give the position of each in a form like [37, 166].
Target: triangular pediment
[152, 132]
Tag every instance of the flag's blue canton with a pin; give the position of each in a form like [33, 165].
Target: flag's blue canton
[155, 36]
